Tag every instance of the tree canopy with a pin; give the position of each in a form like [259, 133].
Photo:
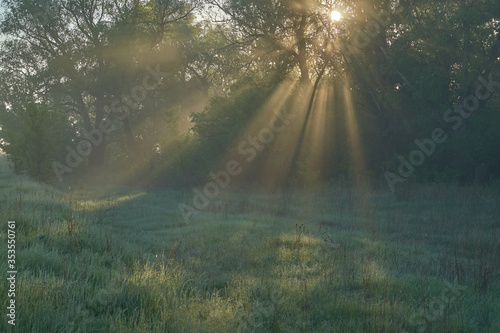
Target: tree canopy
[167, 90]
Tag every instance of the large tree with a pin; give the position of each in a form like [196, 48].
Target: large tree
[446, 49]
[84, 56]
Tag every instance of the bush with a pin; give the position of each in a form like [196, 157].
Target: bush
[32, 137]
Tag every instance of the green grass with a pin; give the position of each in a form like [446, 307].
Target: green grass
[336, 260]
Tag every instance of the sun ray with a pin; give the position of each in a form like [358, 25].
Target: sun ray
[356, 152]
[312, 151]
[254, 147]
[304, 106]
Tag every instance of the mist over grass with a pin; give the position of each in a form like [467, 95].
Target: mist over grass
[5, 170]
[332, 260]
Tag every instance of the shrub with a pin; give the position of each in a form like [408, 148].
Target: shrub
[32, 137]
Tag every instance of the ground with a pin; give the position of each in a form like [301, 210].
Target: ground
[332, 260]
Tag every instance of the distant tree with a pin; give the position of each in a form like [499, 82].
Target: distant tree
[33, 137]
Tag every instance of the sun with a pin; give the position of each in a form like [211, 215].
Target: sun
[336, 15]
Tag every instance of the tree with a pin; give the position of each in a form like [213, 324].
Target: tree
[33, 137]
[83, 56]
[284, 31]
[444, 48]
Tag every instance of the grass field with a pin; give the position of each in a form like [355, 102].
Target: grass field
[335, 260]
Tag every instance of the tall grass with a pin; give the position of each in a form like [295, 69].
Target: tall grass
[334, 260]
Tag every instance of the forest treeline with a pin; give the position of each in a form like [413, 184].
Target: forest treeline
[167, 92]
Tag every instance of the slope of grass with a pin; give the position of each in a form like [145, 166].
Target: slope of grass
[336, 260]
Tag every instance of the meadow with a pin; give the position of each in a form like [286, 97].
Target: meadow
[332, 260]
[297, 118]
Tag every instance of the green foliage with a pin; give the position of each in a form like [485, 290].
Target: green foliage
[225, 117]
[214, 133]
[96, 60]
[442, 48]
[33, 137]
[402, 63]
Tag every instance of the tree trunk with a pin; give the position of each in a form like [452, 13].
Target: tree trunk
[302, 50]
[97, 157]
